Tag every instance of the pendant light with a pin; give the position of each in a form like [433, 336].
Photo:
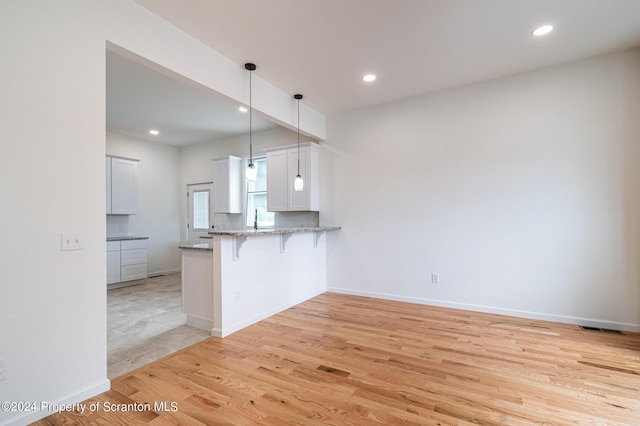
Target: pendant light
[251, 173]
[298, 183]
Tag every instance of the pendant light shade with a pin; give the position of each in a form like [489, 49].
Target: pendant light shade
[251, 173]
[298, 183]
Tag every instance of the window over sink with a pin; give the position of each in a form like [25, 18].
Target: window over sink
[257, 197]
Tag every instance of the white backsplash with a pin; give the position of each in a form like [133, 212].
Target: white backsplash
[225, 222]
[297, 219]
[117, 225]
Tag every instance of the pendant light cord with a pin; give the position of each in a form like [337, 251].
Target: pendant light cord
[298, 182]
[250, 122]
[298, 137]
[250, 67]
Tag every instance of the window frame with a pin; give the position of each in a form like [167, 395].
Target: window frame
[250, 194]
[208, 205]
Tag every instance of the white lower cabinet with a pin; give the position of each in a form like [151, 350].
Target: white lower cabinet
[126, 260]
[113, 262]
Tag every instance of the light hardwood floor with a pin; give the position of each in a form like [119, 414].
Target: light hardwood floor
[349, 360]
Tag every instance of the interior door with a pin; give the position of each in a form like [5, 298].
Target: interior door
[200, 211]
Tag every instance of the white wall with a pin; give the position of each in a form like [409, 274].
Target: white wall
[196, 165]
[195, 159]
[52, 81]
[159, 200]
[52, 308]
[523, 194]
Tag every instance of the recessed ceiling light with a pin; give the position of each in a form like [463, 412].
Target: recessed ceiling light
[368, 77]
[154, 132]
[243, 109]
[543, 30]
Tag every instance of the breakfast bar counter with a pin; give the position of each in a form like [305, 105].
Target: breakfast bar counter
[272, 231]
[240, 277]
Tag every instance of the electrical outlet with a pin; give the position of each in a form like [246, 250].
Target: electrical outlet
[435, 278]
[71, 241]
[237, 295]
[3, 370]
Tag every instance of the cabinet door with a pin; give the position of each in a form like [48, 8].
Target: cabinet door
[113, 267]
[298, 200]
[227, 179]
[308, 198]
[277, 181]
[124, 198]
[221, 182]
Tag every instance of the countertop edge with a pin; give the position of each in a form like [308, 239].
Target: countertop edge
[126, 238]
[251, 232]
[199, 246]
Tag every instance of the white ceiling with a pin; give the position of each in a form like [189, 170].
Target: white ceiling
[321, 48]
[140, 98]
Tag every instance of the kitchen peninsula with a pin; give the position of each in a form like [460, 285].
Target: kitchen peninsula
[244, 276]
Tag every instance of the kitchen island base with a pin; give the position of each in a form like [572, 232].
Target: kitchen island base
[245, 277]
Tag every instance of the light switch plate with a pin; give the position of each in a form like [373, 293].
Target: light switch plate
[71, 241]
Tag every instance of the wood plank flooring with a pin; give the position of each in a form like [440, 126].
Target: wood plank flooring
[347, 360]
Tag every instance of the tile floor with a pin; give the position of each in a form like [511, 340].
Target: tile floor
[145, 322]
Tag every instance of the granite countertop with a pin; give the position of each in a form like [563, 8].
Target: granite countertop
[198, 246]
[126, 237]
[269, 231]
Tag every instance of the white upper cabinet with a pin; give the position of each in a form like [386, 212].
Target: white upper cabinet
[277, 181]
[282, 168]
[227, 184]
[122, 183]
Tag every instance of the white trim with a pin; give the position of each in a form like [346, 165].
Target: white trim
[566, 319]
[185, 219]
[198, 322]
[156, 274]
[199, 183]
[76, 398]
[122, 158]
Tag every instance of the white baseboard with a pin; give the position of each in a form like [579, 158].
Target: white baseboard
[76, 398]
[160, 273]
[589, 322]
[201, 323]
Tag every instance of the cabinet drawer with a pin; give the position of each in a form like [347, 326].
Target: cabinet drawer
[133, 272]
[133, 257]
[113, 245]
[133, 244]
